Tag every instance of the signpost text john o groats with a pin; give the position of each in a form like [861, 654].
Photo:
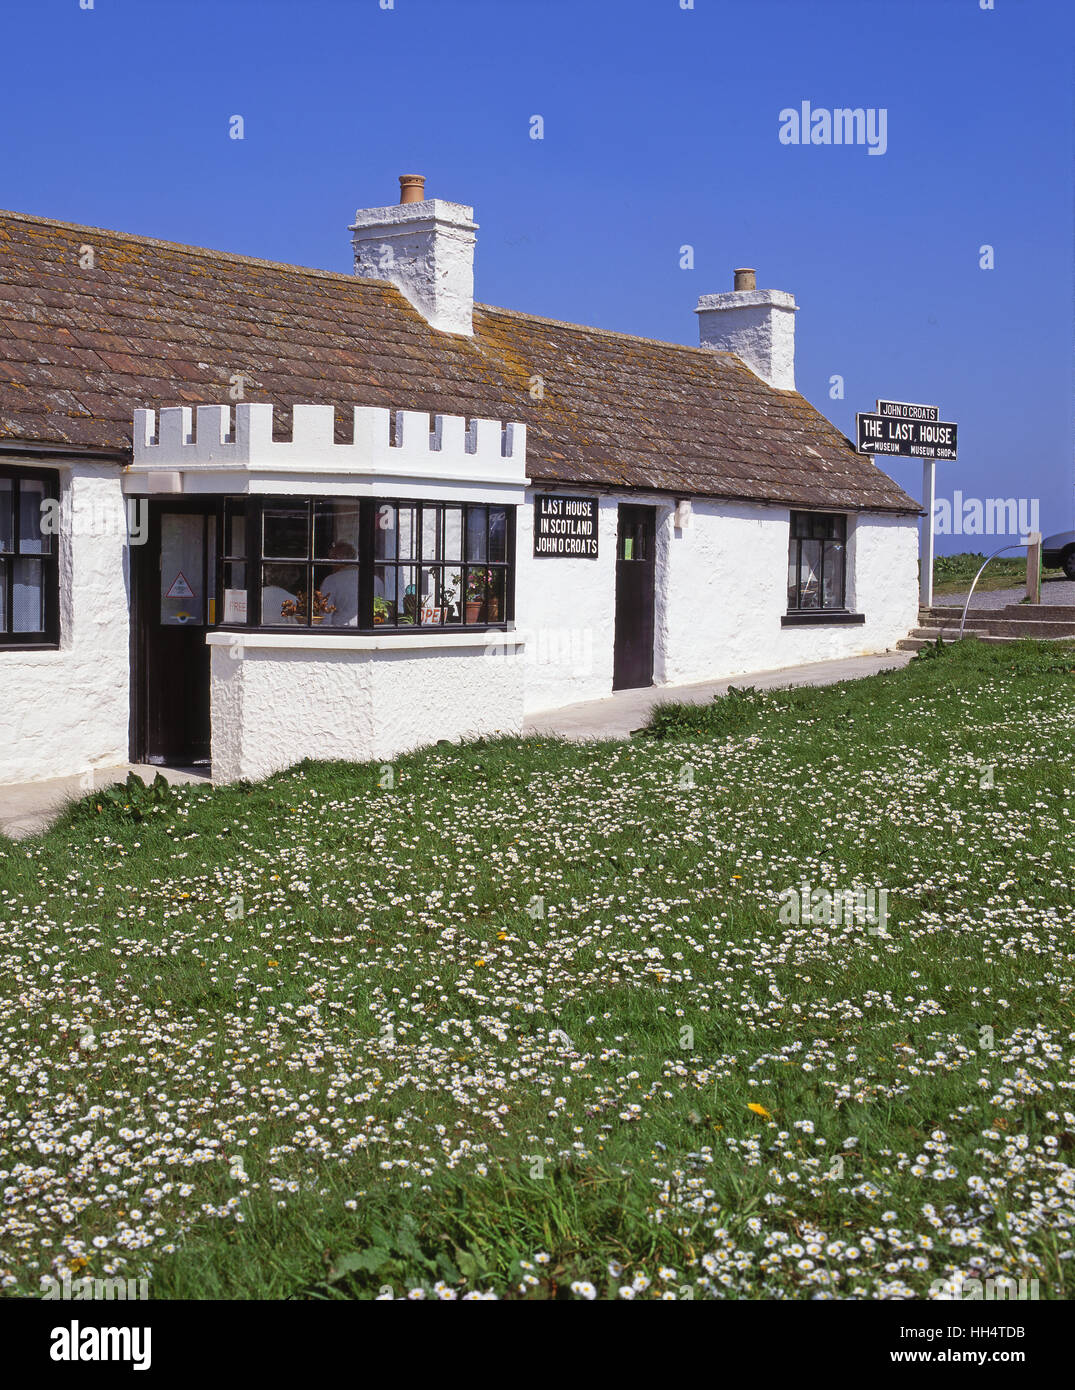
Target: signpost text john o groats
[912, 431]
[565, 526]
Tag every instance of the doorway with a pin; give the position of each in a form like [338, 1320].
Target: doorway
[175, 606]
[636, 547]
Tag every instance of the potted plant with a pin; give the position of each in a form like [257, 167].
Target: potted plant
[382, 613]
[482, 603]
[298, 607]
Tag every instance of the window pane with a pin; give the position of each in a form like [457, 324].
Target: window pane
[478, 581]
[32, 541]
[810, 569]
[453, 533]
[3, 595]
[335, 530]
[6, 535]
[235, 605]
[210, 569]
[452, 594]
[800, 525]
[384, 532]
[182, 568]
[432, 610]
[476, 517]
[498, 534]
[235, 529]
[338, 587]
[495, 609]
[833, 592]
[283, 595]
[793, 573]
[28, 600]
[432, 522]
[408, 594]
[384, 594]
[285, 533]
[408, 532]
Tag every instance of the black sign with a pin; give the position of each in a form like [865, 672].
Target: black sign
[911, 438]
[565, 525]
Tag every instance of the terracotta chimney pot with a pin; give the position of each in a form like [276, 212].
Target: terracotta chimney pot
[412, 188]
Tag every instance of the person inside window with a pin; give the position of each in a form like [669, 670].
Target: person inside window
[340, 587]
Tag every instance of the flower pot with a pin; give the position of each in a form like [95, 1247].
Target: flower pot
[318, 618]
[476, 612]
[493, 606]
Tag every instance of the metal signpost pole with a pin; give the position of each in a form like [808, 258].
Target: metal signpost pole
[925, 550]
[912, 431]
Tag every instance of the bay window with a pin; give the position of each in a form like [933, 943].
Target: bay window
[337, 563]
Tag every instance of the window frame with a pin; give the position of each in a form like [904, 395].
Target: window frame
[366, 562]
[46, 638]
[817, 612]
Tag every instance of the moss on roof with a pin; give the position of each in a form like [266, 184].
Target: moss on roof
[154, 323]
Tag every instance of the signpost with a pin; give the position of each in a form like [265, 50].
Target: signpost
[912, 431]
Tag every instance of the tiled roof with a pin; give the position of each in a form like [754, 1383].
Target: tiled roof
[154, 323]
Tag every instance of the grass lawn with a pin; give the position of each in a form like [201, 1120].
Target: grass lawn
[522, 1019]
[954, 574]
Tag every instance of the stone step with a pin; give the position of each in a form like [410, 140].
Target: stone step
[1049, 612]
[948, 634]
[1002, 626]
[917, 642]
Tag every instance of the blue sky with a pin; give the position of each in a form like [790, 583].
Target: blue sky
[661, 130]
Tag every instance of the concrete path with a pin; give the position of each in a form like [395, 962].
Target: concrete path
[31, 807]
[620, 715]
[1053, 591]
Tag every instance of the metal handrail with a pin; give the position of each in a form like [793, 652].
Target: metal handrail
[1018, 545]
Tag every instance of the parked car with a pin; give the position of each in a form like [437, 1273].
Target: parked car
[1060, 550]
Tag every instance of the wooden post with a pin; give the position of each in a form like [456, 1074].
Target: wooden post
[1033, 567]
[925, 549]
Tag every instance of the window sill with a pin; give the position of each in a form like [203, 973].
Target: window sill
[812, 617]
[369, 642]
[29, 646]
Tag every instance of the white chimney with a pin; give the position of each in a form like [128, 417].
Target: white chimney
[425, 247]
[757, 325]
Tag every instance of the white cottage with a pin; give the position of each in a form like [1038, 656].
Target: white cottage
[356, 514]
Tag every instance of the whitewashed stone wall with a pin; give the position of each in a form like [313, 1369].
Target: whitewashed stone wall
[359, 699]
[726, 588]
[565, 608]
[66, 712]
[721, 590]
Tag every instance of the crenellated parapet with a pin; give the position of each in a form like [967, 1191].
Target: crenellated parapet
[209, 441]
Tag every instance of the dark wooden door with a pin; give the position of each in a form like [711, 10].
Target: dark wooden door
[178, 606]
[636, 545]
